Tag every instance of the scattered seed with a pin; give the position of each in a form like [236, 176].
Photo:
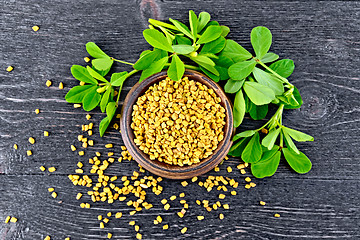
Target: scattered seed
[138, 236]
[15, 146]
[48, 83]
[247, 179]
[42, 168]
[118, 215]
[102, 225]
[61, 85]
[229, 169]
[47, 238]
[37, 111]
[165, 227]
[46, 133]
[262, 203]
[52, 169]
[7, 219]
[9, 68]
[221, 196]
[183, 231]
[221, 216]
[51, 189]
[276, 215]
[29, 152]
[54, 194]
[200, 218]
[31, 140]
[86, 59]
[77, 105]
[35, 28]
[78, 196]
[109, 145]
[109, 235]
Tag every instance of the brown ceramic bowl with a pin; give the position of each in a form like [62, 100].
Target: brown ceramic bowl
[163, 169]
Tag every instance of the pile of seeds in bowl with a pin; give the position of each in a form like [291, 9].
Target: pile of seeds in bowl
[179, 123]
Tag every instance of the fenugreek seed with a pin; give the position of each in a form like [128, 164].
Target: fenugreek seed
[91, 142]
[61, 85]
[109, 145]
[252, 184]
[13, 219]
[87, 205]
[77, 105]
[198, 202]
[194, 179]
[67, 238]
[109, 235]
[108, 214]
[262, 203]
[242, 171]
[132, 213]
[102, 225]
[246, 164]
[81, 83]
[184, 183]
[37, 111]
[183, 231]
[159, 219]
[54, 194]
[9, 68]
[29, 152]
[7, 219]
[216, 169]
[51, 169]
[233, 193]
[118, 215]
[180, 214]
[80, 164]
[167, 206]
[51, 189]
[221, 216]
[276, 215]
[86, 59]
[200, 218]
[48, 83]
[229, 169]
[73, 148]
[78, 196]
[35, 28]
[88, 116]
[15, 146]
[172, 198]
[138, 236]
[47, 238]
[46, 133]
[247, 186]
[42, 168]
[221, 196]
[182, 195]
[165, 227]
[81, 153]
[247, 179]
[164, 201]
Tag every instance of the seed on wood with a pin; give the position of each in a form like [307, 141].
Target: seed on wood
[35, 28]
[9, 68]
[48, 83]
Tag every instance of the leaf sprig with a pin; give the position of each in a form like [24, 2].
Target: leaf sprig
[203, 46]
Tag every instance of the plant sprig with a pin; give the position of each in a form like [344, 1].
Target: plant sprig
[256, 80]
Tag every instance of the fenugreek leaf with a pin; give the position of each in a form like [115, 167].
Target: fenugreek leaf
[241, 70]
[268, 163]
[110, 110]
[103, 125]
[247, 133]
[155, 67]
[268, 80]
[224, 30]
[81, 74]
[77, 93]
[95, 51]
[183, 49]
[289, 142]
[101, 72]
[210, 34]
[261, 39]
[235, 51]
[182, 40]
[176, 69]
[193, 23]
[214, 46]
[182, 28]
[269, 57]
[239, 108]
[253, 151]
[232, 86]
[117, 79]
[201, 59]
[270, 139]
[102, 64]
[258, 112]
[147, 59]
[91, 99]
[237, 149]
[105, 99]
[157, 39]
[299, 162]
[298, 98]
[258, 94]
[283, 67]
[209, 74]
[204, 18]
[95, 74]
[297, 135]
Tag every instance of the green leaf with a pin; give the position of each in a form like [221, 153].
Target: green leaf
[105, 99]
[299, 162]
[210, 34]
[147, 59]
[101, 72]
[181, 27]
[156, 39]
[155, 67]
[102, 64]
[253, 151]
[247, 133]
[183, 49]
[267, 165]
[239, 108]
[145, 52]
[204, 18]
[95, 51]
[269, 57]
[268, 80]
[297, 135]
[193, 23]
[223, 61]
[110, 110]
[117, 79]
[235, 51]
[289, 142]
[203, 60]
[258, 94]
[283, 67]
[241, 70]
[77, 93]
[261, 39]
[103, 125]
[270, 139]
[224, 30]
[182, 40]
[248, 103]
[95, 74]
[258, 112]
[91, 100]
[209, 74]
[237, 149]
[81, 74]
[232, 86]
[170, 38]
[298, 98]
[176, 69]
[214, 46]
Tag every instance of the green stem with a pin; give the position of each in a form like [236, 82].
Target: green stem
[128, 75]
[275, 117]
[281, 139]
[124, 62]
[157, 23]
[273, 72]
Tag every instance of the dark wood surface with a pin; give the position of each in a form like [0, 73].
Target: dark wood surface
[321, 37]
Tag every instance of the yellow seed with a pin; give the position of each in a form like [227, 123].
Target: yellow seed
[80, 164]
[252, 184]
[184, 183]
[99, 217]
[54, 194]
[200, 218]
[138, 236]
[7, 219]
[172, 198]
[226, 206]
[159, 219]
[37, 111]
[221, 196]
[78, 196]
[35, 28]
[77, 105]
[106, 220]
[61, 85]
[81, 153]
[109, 214]
[132, 223]
[47, 238]
[91, 142]
[221, 216]
[109, 235]
[246, 164]
[132, 213]
[87, 205]
[102, 225]
[90, 132]
[48, 83]
[29, 152]
[229, 169]
[262, 203]
[182, 195]
[276, 215]
[31, 140]
[42, 168]
[118, 215]
[247, 179]
[67, 238]
[167, 206]
[13, 219]
[46, 133]
[164, 201]
[194, 179]
[88, 116]
[73, 148]
[109, 145]
[86, 59]
[247, 186]
[51, 189]
[52, 169]
[183, 231]
[9, 68]
[216, 169]
[165, 227]
[233, 193]
[180, 214]
[242, 171]
[15, 146]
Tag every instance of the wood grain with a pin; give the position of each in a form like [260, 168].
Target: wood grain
[321, 37]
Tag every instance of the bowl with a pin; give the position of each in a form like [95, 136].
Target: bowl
[163, 169]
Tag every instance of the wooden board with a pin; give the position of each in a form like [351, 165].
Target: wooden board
[321, 37]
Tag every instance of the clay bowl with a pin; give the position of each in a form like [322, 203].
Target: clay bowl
[163, 169]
